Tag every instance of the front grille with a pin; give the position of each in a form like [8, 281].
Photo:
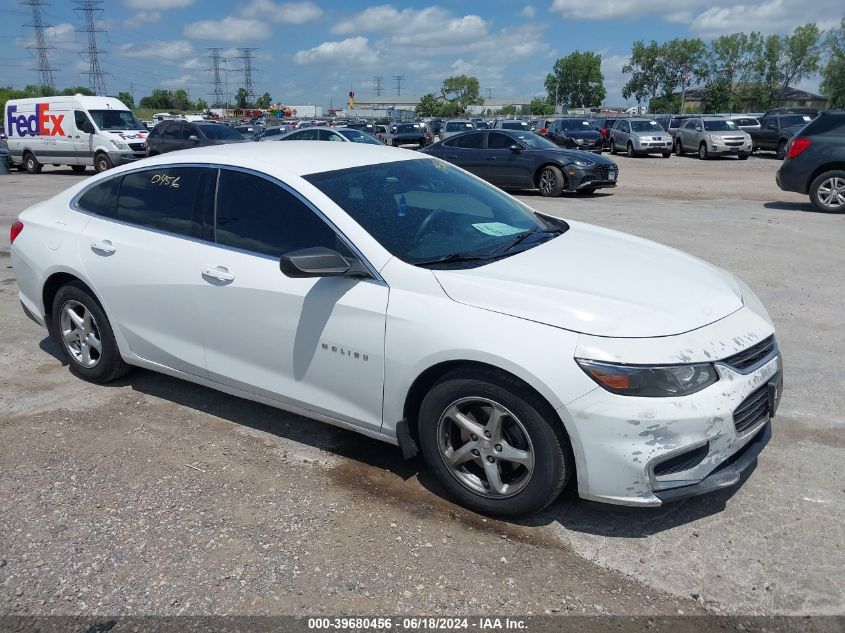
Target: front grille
[603, 172]
[136, 147]
[750, 357]
[682, 462]
[753, 409]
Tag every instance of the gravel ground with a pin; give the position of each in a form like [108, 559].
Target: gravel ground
[154, 496]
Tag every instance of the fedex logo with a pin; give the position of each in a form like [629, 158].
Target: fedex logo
[42, 123]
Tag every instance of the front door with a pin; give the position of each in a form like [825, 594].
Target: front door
[503, 166]
[83, 138]
[315, 343]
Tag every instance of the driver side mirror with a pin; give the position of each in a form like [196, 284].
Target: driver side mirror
[194, 138]
[313, 262]
[516, 149]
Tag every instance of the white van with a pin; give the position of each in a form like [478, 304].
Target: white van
[78, 131]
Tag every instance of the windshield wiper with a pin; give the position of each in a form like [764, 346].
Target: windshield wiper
[522, 237]
[448, 259]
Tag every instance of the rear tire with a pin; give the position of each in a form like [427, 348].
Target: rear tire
[102, 162]
[528, 430]
[823, 192]
[781, 151]
[612, 147]
[551, 181]
[31, 164]
[80, 336]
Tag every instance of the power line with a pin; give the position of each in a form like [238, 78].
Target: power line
[96, 77]
[398, 79]
[45, 72]
[246, 67]
[217, 82]
[377, 88]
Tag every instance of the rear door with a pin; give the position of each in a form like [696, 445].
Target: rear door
[467, 151]
[143, 257]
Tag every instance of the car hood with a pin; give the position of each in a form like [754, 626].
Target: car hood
[600, 282]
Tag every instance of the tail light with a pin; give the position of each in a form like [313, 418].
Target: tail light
[17, 227]
[604, 132]
[797, 146]
[543, 131]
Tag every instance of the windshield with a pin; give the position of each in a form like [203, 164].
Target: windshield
[408, 128]
[720, 126]
[427, 209]
[219, 132]
[514, 125]
[115, 120]
[575, 124]
[359, 137]
[646, 126]
[534, 141]
[795, 119]
[459, 126]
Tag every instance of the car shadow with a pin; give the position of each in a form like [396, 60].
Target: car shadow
[569, 510]
[804, 207]
[533, 193]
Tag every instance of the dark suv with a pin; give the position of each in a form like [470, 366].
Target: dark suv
[776, 130]
[671, 122]
[575, 133]
[815, 162]
[603, 124]
[169, 136]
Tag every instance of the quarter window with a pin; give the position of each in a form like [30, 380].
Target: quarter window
[163, 199]
[257, 215]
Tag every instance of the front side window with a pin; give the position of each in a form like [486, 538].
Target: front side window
[101, 198]
[499, 141]
[83, 124]
[162, 199]
[360, 137]
[427, 209]
[256, 215]
[311, 134]
[171, 131]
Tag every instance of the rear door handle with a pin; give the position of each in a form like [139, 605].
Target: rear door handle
[219, 273]
[103, 246]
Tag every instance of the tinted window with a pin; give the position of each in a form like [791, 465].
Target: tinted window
[470, 141]
[171, 131]
[190, 130]
[217, 131]
[646, 126]
[101, 198]
[720, 126]
[116, 120]
[162, 199]
[500, 141]
[257, 215]
[514, 125]
[360, 137]
[574, 124]
[827, 124]
[409, 128]
[81, 120]
[310, 134]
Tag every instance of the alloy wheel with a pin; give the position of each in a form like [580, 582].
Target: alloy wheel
[485, 447]
[547, 181]
[831, 192]
[80, 334]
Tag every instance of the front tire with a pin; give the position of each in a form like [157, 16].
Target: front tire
[83, 333]
[827, 192]
[679, 148]
[102, 162]
[495, 451]
[629, 151]
[702, 152]
[551, 181]
[612, 147]
[31, 164]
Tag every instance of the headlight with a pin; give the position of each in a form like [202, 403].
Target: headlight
[119, 145]
[584, 162]
[650, 382]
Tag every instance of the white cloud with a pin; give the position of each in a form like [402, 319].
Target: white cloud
[141, 18]
[157, 5]
[229, 29]
[286, 13]
[61, 36]
[178, 82]
[770, 16]
[352, 51]
[616, 9]
[176, 50]
[528, 12]
[430, 27]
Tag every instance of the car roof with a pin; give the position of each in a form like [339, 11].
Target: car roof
[299, 158]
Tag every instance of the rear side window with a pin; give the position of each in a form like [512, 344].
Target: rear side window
[470, 141]
[833, 124]
[257, 215]
[163, 199]
[101, 198]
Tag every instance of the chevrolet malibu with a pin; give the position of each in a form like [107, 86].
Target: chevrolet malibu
[395, 294]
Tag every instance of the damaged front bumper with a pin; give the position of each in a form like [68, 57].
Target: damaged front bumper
[648, 451]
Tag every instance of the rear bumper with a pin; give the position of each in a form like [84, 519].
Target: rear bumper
[790, 177]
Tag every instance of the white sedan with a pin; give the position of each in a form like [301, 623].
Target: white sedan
[391, 293]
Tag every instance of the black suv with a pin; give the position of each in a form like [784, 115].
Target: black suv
[671, 122]
[815, 162]
[575, 133]
[776, 130]
[169, 136]
[603, 124]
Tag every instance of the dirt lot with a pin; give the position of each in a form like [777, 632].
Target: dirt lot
[156, 496]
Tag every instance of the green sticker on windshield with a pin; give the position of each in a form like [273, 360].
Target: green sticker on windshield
[497, 229]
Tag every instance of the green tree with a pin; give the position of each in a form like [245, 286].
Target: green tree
[76, 90]
[202, 104]
[160, 99]
[541, 106]
[684, 64]
[462, 90]
[786, 60]
[833, 71]
[645, 70]
[577, 81]
[509, 109]
[730, 69]
[264, 101]
[241, 98]
[181, 100]
[127, 99]
[449, 110]
[428, 106]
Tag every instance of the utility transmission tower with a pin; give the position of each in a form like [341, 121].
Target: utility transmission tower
[398, 79]
[490, 92]
[246, 65]
[217, 82]
[87, 10]
[377, 85]
[45, 73]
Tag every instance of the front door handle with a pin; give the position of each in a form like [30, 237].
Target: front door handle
[103, 246]
[219, 273]
[491, 158]
[451, 155]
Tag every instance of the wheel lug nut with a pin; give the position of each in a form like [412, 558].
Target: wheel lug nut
[491, 459]
[474, 437]
[486, 433]
[475, 452]
[498, 447]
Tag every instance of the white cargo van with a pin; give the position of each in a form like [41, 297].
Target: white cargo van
[78, 131]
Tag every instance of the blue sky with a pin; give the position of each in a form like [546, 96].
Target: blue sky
[313, 51]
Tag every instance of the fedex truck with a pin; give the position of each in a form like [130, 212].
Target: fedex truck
[78, 131]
